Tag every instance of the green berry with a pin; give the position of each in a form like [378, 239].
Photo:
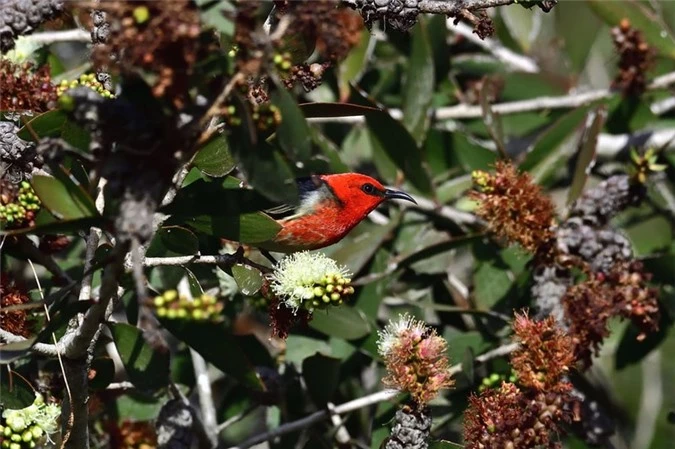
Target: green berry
[278, 59]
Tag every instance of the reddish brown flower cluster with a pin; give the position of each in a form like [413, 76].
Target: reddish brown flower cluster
[159, 37]
[510, 417]
[52, 243]
[416, 361]
[545, 354]
[622, 292]
[282, 318]
[337, 30]
[134, 435]
[15, 321]
[636, 57]
[24, 88]
[514, 206]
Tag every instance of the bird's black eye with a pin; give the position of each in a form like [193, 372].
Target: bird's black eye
[368, 188]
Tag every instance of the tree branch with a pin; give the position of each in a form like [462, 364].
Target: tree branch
[505, 55]
[50, 37]
[464, 111]
[365, 401]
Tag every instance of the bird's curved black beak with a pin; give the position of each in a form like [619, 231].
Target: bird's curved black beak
[398, 195]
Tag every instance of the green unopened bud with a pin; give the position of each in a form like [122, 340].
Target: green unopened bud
[158, 301]
[171, 314]
[161, 312]
[334, 296]
[170, 295]
[16, 437]
[318, 292]
[27, 436]
[278, 59]
[14, 446]
[7, 431]
[141, 14]
[326, 299]
[181, 313]
[330, 288]
[5, 444]
[197, 314]
[37, 432]
[18, 424]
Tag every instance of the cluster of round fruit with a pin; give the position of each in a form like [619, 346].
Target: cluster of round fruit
[29, 427]
[21, 211]
[87, 80]
[173, 306]
[494, 380]
[283, 62]
[331, 290]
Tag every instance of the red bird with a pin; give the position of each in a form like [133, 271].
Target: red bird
[330, 206]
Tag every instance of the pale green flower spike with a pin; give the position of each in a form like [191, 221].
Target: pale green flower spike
[310, 280]
[38, 417]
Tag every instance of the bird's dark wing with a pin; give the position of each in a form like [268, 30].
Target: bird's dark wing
[306, 186]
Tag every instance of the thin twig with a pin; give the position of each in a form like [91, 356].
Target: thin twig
[225, 259]
[50, 37]
[356, 404]
[507, 56]
[203, 383]
[464, 111]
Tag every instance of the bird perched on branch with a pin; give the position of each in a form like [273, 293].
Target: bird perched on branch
[330, 206]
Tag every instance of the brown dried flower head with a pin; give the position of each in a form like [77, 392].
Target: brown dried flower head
[620, 293]
[416, 360]
[15, 321]
[545, 353]
[512, 419]
[514, 207]
[159, 37]
[24, 88]
[137, 435]
[636, 57]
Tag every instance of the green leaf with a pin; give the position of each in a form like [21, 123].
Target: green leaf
[248, 279]
[63, 197]
[55, 123]
[321, 376]
[10, 352]
[631, 350]
[265, 168]
[247, 228]
[147, 368]
[314, 110]
[641, 18]
[586, 154]
[401, 148]
[651, 235]
[218, 346]
[173, 241]
[15, 392]
[293, 132]
[419, 84]
[299, 347]
[69, 227]
[217, 15]
[214, 158]
[343, 322]
[491, 284]
[351, 69]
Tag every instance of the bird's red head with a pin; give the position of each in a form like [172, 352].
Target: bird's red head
[360, 194]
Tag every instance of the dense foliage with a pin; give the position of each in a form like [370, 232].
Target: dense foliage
[523, 300]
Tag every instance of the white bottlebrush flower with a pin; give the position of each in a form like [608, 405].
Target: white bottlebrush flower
[392, 333]
[310, 280]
